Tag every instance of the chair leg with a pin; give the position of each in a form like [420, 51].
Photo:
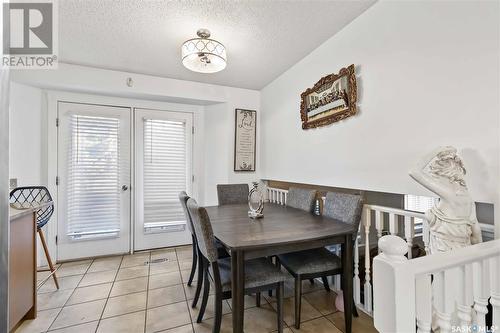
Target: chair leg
[298, 300]
[218, 311]
[354, 309]
[47, 255]
[206, 291]
[257, 300]
[193, 265]
[279, 299]
[278, 264]
[200, 281]
[325, 283]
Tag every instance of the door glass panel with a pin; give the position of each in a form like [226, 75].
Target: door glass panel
[165, 174]
[93, 184]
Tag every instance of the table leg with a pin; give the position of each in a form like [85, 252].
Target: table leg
[238, 289]
[347, 267]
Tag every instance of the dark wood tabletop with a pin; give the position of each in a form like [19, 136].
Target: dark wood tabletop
[280, 225]
[281, 230]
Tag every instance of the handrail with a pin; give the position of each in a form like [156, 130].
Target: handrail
[413, 295]
[446, 260]
[397, 211]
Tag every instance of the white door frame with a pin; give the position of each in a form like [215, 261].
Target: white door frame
[54, 96]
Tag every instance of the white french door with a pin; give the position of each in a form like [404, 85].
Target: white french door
[163, 168]
[94, 177]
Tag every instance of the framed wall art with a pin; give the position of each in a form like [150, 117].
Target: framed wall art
[245, 133]
[332, 98]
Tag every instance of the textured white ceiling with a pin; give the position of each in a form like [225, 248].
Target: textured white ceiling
[263, 38]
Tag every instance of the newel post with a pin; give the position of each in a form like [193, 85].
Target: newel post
[393, 287]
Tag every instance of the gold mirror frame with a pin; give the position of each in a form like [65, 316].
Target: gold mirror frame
[347, 111]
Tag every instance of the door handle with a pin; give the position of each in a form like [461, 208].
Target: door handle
[124, 188]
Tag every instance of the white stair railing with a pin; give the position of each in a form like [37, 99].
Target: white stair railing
[277, 195]
[399, 222]
[455, 284]
[376, 221]
[413, 227]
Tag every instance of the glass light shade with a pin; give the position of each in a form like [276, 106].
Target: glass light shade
[203, 55]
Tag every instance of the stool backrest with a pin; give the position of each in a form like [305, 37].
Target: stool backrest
[230, 194]
[30, 196]
[203, 229]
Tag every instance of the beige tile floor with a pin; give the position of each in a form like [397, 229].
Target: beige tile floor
[127, 294]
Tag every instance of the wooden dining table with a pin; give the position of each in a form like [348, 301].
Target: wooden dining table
[281, 230]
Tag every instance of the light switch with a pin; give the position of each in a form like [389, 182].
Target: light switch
[13, 183]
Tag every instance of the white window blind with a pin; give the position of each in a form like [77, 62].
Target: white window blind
[419, 203]
[165, 173]
[93, 184]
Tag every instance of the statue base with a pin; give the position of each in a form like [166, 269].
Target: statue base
[255, 215]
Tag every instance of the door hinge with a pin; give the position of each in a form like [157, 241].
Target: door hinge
[56, 239]
[192, 129]
[57, 180]
[192, 178]
[57, 122]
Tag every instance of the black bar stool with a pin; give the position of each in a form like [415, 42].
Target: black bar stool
[29, 196]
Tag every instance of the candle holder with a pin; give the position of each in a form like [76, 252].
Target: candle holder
[255, 202]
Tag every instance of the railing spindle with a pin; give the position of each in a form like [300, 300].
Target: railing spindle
[393, 224]
[338, 277]
[441, 286]
[357, 282]
[464, 296]
[423, 289]
[495, 289]
[379, 224]
[409, 233]
[480, 296]
[367, 286]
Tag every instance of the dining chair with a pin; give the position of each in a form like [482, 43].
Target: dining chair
[29, 196]
[301, 198]
[311, 264]
[260, 273]
[230, 194]
[197, 261]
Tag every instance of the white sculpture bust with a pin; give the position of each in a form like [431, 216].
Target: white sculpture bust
[452, 221]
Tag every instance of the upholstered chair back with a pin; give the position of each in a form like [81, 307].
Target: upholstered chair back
[203, 230]
[344, 207]
[183, 198]
[230, 194]
[301, 199]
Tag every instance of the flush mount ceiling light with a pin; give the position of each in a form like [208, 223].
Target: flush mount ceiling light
[202, 54]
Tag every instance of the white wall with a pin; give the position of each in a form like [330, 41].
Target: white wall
[28, 139]
[217, 129]
[427, 76]
[219, 155]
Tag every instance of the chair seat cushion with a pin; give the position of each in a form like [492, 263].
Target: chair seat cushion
[258, 272]
[310, 261]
